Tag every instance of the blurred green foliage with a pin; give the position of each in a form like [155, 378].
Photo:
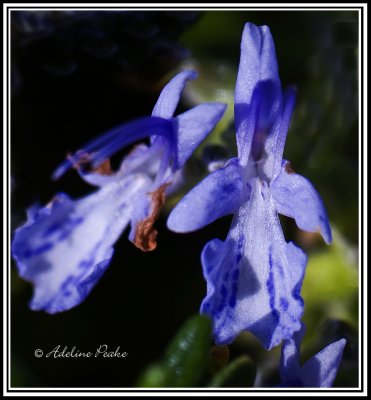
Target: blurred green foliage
[330, 287]
[189, 361]
[239, 373]
[185, 358]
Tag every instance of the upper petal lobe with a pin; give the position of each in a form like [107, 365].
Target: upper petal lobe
[170, 94]
[258, 63]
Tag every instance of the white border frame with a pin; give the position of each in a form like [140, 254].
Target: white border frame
[362, 259]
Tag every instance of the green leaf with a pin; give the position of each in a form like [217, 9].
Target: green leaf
[239, 373]
[187, 354]
[185, 358]
[156, 375]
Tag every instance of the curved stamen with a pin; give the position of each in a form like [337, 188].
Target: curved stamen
[111, 142]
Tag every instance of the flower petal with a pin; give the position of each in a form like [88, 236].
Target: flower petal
[170, 95]
[288, 108]
[65, 248]
[295, 197]
[290, 358]
[254, 278]
[261, 128]
[193, 126]
[321, 370]
[217, 195]
[257, 63]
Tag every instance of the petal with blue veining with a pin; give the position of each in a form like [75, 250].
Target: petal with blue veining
[254, 277]
[66, 247]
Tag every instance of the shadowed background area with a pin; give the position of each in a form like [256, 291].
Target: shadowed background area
[76, 74]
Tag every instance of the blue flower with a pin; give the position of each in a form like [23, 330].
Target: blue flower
[319, 371]
[65, 247]
[254, 277]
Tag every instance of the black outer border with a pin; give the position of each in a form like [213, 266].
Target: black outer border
[361, 126]
[359, 7]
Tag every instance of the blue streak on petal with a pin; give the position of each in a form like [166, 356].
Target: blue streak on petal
[271, 287]
[284, 304]
[41, 249]
[52, 229]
